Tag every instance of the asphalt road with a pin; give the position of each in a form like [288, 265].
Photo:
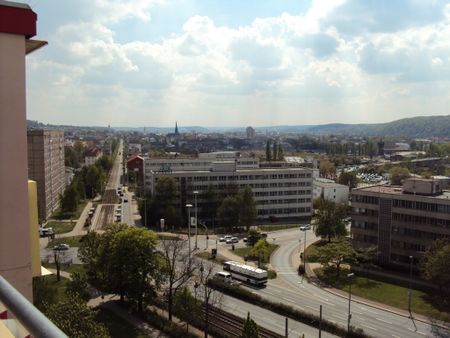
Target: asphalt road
[288, 287]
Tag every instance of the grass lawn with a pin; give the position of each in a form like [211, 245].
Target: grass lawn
[117, 326]
[61, 227]
[209, 257]
[390, 294]
[54, 291]
[275, 227]
[58, 214]
[70, 269]
[243, 252]
[72, 241]
[311, 251]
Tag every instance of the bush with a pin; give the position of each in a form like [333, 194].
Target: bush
[284, 310]
[271, 274]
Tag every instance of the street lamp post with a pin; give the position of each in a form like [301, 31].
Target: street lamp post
[145, 212]
[196, 220]
[189, 206]
[409, 287]
[349, 300]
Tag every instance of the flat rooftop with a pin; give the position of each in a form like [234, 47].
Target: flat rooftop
[398, 190]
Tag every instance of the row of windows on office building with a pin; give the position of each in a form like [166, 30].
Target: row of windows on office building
[281, 211]
[431, 221]
[405, 204]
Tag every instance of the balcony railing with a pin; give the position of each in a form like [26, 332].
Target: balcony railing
[37, 325]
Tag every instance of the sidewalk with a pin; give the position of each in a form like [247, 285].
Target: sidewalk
[78, 229]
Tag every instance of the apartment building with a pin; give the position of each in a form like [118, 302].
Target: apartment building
[280, 193]
[46, 167]
[330, 190]
[92, 155]
[402, 221]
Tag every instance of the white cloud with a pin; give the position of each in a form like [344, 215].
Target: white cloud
[208, 74]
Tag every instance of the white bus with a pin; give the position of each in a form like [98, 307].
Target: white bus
[246, 273]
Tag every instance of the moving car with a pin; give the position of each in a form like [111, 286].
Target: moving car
[305, 227]
[61, 247]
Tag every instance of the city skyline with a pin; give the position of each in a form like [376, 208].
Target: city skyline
[150, 63]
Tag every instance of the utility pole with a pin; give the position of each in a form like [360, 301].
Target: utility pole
[350, 275]
[410, 287]
[189, 206]
[286, 331]
[320, 322]
[196, 221]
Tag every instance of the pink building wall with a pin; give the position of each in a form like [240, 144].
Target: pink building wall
[15, 249]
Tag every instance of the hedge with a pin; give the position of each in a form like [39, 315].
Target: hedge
[285, 310]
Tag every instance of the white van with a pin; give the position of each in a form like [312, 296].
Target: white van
[223, 276]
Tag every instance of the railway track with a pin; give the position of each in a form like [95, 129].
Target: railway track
[106, 216]
[232, 325]
[109, 196]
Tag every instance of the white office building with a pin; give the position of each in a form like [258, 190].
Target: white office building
[330, 190]
[280, 193]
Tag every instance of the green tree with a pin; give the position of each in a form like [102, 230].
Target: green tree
[211, 204]
[253, 236]
[261, 251]
[162, 204]
[134, 253]
[177, 268]
[250, 329]
[79, 286]
[228, 212]
[70, 198]
[268, 151]
[434, 266]
[398, 174]
[348, 178]
[329, 218]
[123, 261]
[336, 254]
[43, 293]
[275, 150]
[280, 152]
[88, 252]
[105, 162]
[75, 318]
[247, 213]
[327, 169]
[185, 306]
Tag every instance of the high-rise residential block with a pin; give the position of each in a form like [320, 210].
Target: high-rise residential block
[46, 167]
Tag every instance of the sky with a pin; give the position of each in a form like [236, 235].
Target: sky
[237, 63]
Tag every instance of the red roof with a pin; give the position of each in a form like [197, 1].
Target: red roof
[17, 18]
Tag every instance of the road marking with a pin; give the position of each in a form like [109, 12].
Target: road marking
[342, 318]
[311, 307]
[325, 299]
[384, 321]
[369, 327]
[423, 334]
[362, 308]
[395, 336]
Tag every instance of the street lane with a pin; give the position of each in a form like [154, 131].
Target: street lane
[307, 296]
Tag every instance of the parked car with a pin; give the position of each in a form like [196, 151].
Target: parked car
[45, 232]
[227, 237]
[229, 241]
[234, 240]
[222, 239]
[125, 200]
[61, 247]
[305, 227]
[245, 239]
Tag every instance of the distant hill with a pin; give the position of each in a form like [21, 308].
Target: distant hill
[414, 127]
